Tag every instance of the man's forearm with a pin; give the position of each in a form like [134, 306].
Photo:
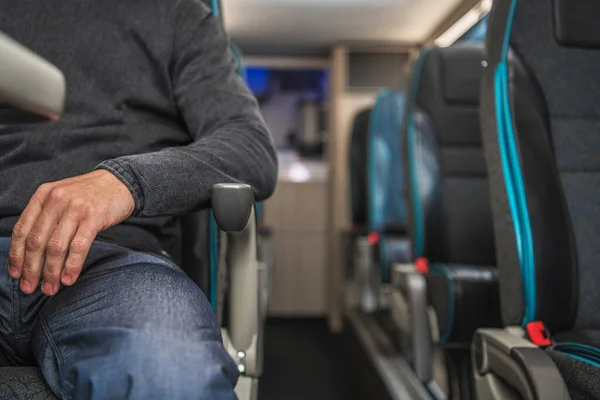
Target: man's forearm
[178, 180]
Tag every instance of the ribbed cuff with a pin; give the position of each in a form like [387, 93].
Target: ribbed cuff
[128, 179]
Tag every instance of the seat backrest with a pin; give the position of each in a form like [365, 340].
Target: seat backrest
[196, 252]
[357, 160]
[541, 116]
[385, 184]
[450, 218]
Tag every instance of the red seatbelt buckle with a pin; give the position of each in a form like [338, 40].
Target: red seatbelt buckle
[422, 265]
[373, 238]
[538, 334]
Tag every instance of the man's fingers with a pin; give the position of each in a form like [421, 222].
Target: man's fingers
[78, 252]
[16, 253]
[96, 201]
[56, 253]
[35, 248]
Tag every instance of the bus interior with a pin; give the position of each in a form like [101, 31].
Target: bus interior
[432, 234]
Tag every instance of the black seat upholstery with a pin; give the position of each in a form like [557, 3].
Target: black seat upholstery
[196, 252]
[21, 383]
[357, 157]
[451, 222]
[541, 117]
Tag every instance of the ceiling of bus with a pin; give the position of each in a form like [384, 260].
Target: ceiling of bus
[311, 26]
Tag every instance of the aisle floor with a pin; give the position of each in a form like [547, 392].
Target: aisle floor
[303, 360]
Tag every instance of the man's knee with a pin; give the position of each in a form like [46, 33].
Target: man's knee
[178, 368]
[144, 292]
[142, 330]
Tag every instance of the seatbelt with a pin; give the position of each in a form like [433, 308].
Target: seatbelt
[422, 265]
[216, 7]
[373, 238]
[538, 334]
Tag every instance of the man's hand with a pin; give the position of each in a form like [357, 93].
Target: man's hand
[56, 230]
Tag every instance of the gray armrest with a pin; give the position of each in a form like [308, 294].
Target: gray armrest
[366, 275]
[233, 207]
[506, 364]
[232, 204]
[30, 85]
[411, 314]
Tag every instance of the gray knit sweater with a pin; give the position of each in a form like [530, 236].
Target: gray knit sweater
[153, 96]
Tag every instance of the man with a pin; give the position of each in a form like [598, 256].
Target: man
[155, 115]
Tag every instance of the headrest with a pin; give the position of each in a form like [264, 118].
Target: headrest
[448, 91]
[576, 22]
[461, 72]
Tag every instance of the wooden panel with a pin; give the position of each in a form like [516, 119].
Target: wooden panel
[297, 216]
[300, 276]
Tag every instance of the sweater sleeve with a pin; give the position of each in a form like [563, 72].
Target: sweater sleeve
[231, 143]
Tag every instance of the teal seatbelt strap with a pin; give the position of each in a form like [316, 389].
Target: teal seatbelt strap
[213, 231]
[513, 178]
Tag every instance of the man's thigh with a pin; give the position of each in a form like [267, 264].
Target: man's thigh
[133, 326]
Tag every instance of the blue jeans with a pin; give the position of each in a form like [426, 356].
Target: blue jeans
[134, 326]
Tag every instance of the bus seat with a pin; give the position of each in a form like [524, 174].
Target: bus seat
[357, 183]
[452, 287]
[540, 119]
[387, 208]
[377, 197]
